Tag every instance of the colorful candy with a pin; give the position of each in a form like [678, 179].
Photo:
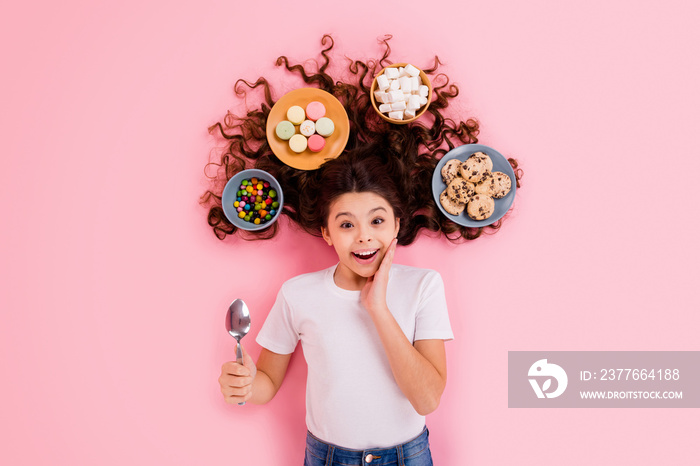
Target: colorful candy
[255, 201]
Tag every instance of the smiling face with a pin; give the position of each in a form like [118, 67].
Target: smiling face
[360, 227]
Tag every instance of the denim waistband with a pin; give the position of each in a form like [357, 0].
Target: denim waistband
[334, 454]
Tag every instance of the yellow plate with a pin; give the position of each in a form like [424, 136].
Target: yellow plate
[335, 143]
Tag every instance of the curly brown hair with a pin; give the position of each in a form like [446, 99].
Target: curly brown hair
[395, 161]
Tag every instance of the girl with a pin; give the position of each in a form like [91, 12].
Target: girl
[372, 333]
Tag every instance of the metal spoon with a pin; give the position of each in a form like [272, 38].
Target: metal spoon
[238, 325]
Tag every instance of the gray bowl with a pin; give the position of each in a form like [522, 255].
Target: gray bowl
[229, 197]
[500, 164]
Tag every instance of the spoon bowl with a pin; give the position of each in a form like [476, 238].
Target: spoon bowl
[238, 326]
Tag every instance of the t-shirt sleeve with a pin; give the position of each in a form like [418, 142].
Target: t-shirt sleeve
[278, 333]
[432, 318]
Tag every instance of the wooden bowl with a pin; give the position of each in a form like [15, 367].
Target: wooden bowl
[421, 111]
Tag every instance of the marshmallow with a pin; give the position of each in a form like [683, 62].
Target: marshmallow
[413, 102]
[409, 114]
[400, 105]
[423, 90]
[402, 72]
[415, 84]
[423, 100]
[412, 70]
[382, 82]
[398, 115]
[405, 84]
[394, 84]
[385, 108]
[392, 73]
[395, 96]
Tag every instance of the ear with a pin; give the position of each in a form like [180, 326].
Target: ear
[326, 236]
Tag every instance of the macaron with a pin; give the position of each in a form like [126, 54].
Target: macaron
[315, 110]
[307, 128]
[296, 114]
[284, 130]
[316, 143]
[298, 143]
[325, 126]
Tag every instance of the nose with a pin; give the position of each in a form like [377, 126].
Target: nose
[364, 235]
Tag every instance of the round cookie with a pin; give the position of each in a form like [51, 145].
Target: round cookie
[450, 170]
[486, 185]
[475, 166]
[501, 184]
[486, 158]
[460, 190]
[449, 206]
[480, 207]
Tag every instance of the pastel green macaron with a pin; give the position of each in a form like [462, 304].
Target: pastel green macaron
[284, 130]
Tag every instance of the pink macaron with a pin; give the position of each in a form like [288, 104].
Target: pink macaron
[316, 143]
[315, 110]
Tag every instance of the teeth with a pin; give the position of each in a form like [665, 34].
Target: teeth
[365, 254]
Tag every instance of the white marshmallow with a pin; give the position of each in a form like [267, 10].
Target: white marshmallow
[415, 84]
[394, 85]
[401, 105]
[413, 102]
[409, 114]
[423, 90]
[383, 98]
[406, 85]
[402, 72]
[423, 101]
[412, 70]
[385, 108]
[392, 73]
[395, 96]
[396, 115]
[382, 82]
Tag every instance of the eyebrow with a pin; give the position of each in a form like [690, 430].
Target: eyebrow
[339, 214]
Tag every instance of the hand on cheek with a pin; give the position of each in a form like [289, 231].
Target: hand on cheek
[373, 295]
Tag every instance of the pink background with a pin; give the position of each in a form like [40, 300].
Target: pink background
[114, 289]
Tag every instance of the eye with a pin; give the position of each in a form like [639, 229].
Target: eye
[346, 225]
[377, 221]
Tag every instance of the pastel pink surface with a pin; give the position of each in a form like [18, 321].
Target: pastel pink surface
[316, 143]
[315, 110]
[115, 288]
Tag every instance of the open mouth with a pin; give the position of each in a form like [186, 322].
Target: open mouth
[365, 254]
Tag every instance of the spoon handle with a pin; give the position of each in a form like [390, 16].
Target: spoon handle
[239, 360]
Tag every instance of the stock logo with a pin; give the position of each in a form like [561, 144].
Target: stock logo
[542, 370]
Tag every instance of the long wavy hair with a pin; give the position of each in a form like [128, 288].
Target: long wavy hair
[394, 161]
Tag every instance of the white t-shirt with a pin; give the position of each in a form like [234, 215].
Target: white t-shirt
[352, 399]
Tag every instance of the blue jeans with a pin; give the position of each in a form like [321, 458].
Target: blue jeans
[415, 452]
